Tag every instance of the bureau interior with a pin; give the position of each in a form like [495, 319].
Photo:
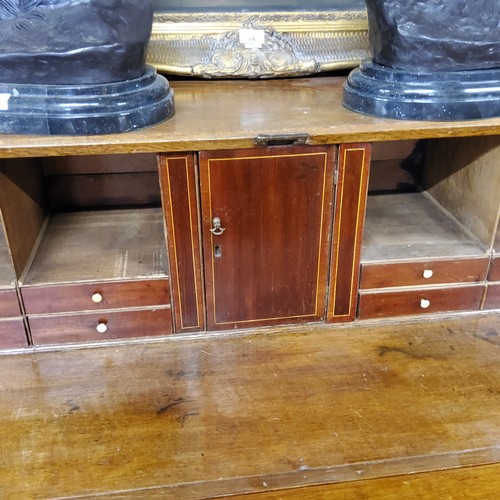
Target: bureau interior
[83, 218]
[431, 199]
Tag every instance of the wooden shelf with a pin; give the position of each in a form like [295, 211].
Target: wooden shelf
[213, 115]
[404, 226]
[100, 245]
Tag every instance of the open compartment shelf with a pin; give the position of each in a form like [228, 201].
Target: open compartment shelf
[409, 226]
[99, 245]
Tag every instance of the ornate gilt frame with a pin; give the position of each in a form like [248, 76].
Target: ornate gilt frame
[258, 44]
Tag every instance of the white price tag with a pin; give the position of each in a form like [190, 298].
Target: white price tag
[4, 102]
[252, 39]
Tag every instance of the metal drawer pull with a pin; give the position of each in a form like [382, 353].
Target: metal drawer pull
[217, 229]
[97, 297]
[424, 303]
[102, 326]
[427, 273]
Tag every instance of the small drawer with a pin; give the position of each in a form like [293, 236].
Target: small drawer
[12, 333]
[495, 270]
[422, 273]
[384, 304]
[492, 296]
[9, 305]
[104, 325]
[78, 297]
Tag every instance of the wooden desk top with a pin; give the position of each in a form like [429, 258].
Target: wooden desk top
[230, 114]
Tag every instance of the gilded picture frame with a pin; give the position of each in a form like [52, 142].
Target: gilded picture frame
[266, 44]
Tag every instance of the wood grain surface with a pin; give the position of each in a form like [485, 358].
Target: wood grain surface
[495, 269]
[82, 327]
[463, 176]
[9, 304]
[7, 274]
[406, 226]
[492, 300]
[23, 207]
[12, 335]
[99, 245]
[79, 297]
[471, 483]
[270, 265]
[423, 272]
[349, 219]
[201, 121]
[179, 189]
[280, 408]
[419, 300]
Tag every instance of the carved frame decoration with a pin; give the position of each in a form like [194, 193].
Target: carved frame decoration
[258, 44]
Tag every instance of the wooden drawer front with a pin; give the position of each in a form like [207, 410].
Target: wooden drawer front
[9, 305]
[423, 273]
[493, 296]
[495, 270]
[419, 301]
[54, 329]
[83, 297]
[12, 333]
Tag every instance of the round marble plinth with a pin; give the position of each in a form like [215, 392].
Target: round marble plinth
[376, 90]
[85, 109]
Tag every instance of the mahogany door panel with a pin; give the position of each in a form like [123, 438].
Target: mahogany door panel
[419, 301]
[492, 296]
[100, 326]
[266, 218]
[179, 188]
[422, 273]
[9, 305]
[95, 296]
[12, 333]
[350, 206]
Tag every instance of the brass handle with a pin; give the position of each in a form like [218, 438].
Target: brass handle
[217, 229]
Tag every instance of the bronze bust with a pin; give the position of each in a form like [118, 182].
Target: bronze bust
[435, 35]
[432, 60]
[73, 41]
[78, 67]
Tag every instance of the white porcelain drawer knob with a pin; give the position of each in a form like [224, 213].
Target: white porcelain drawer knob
[97, 297]
[424, 303]
[427, 273]
[102, 327]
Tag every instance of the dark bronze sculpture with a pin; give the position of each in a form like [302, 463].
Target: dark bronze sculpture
[435, 35]
[73, 41]
[78, 67]
[432, 60]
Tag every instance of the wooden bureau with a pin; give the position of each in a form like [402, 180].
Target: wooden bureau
[259, 203]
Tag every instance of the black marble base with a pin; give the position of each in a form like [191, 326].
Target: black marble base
[85, 109]
[376, 90]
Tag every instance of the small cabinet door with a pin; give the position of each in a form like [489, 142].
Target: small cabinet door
[266, 222]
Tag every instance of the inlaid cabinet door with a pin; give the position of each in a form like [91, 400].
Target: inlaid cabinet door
[266, 221]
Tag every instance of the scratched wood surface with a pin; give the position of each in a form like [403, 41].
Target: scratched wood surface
[230, 114]
[481, 483]
[229, 414]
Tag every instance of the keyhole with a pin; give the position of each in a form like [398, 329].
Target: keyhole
[218, 251]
